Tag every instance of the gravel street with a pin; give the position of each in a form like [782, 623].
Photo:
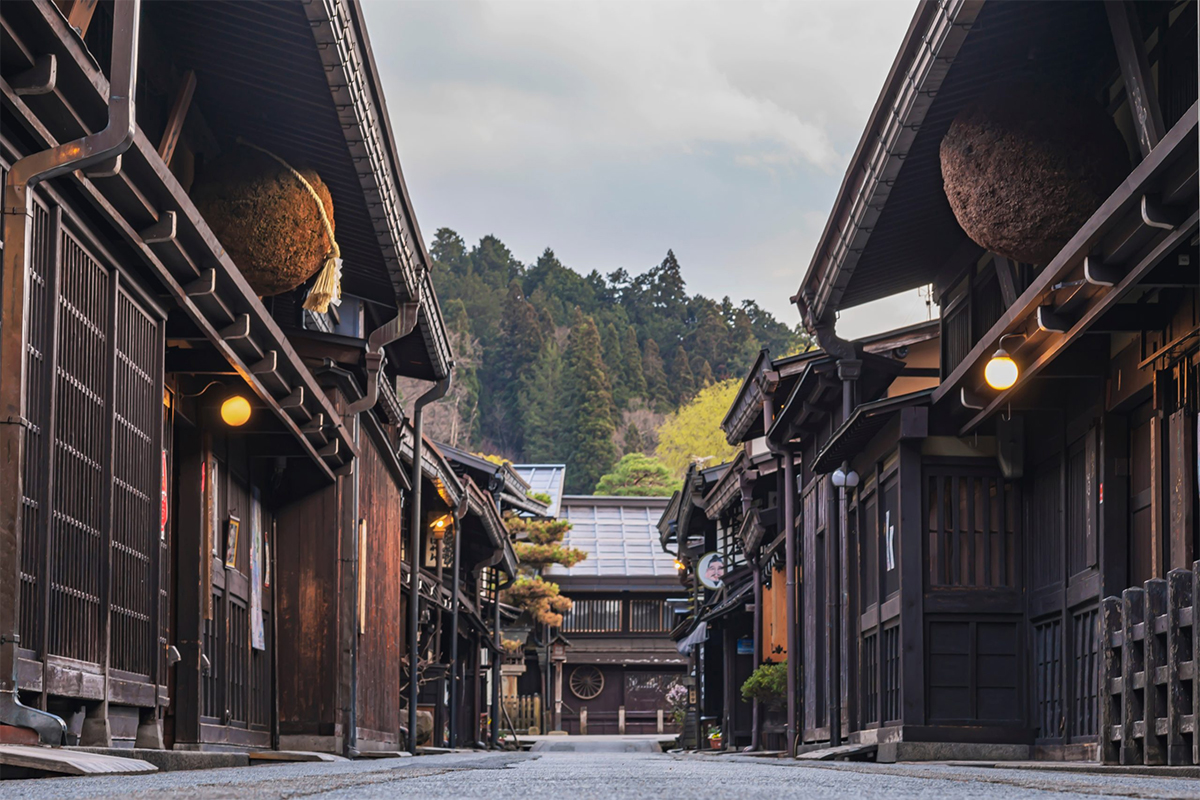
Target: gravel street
[602, 772]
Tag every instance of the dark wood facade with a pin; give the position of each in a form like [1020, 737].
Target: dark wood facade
[951, 590]
[161, 548]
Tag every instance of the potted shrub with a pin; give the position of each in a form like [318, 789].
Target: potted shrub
[767, 684]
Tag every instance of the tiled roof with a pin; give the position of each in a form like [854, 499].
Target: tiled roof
[544, 479]
[619, 534]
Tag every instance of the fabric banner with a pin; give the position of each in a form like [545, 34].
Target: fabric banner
[257, 638]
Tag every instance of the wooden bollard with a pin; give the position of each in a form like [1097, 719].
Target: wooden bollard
[621, 720]
[1179, 600]
[583, 720]
[1133, 614]
[660, 720]
[1112, 686]
[1155, 702]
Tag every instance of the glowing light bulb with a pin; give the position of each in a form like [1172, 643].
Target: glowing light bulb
[235, 411]
[1001, 371]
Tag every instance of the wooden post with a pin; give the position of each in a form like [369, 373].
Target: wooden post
[1133, 613]
[1195, 663]
[621, 720]
[1135, 69]
[1181, 454]
[1155, 646]
[1179, 597]
[583, 720]
[1112, 684]
[660, 720]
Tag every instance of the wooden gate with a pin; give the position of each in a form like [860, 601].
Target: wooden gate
[92, 551]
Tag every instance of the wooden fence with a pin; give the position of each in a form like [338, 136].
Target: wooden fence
[524, 713]
[1150, 703]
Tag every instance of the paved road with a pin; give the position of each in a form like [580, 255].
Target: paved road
[556, 775]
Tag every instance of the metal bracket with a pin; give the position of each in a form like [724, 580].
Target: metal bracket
[1156, 215]
[1097, 273]
[161, 231]
[108, 168]
[1051, 322]
[971, 400]
[41, 78]
[240, 329]
[206, 284]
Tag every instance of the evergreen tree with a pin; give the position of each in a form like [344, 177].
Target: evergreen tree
[588, 406]
[682, 381]
[632, 377]
[704, 377]
[658, 390]
[540, 399]
[515, 350]
[614, 364]
[638, 475]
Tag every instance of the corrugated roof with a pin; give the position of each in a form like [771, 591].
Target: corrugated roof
[619, 534]
[545, 479]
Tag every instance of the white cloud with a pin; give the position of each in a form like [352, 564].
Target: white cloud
[613, 130]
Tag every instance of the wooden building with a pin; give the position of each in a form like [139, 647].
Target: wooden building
[620, 662]
[953, 535]
[155, 545]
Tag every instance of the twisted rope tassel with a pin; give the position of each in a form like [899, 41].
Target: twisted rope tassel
[327, 290]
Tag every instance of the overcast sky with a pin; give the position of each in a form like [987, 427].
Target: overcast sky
[612, 131]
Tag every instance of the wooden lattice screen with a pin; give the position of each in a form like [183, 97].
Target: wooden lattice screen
[1150, 705]
[91, 547]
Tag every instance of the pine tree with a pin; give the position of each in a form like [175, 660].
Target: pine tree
[614, 364]
[633, 378]
[658, 390]
[704, 377]
[588, 406]
[682, 380]
[540, 398]
[516, 350]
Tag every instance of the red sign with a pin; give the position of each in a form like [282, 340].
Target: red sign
[162, 522]
[1101, 493]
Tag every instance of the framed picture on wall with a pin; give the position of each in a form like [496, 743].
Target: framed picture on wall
[232, 529]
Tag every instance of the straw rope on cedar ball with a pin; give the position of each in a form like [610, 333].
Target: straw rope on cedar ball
[264, 218]
[1025, 166]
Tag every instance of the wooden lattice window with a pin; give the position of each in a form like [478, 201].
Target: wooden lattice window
[649, 616]
[593, 616]
[972, 527]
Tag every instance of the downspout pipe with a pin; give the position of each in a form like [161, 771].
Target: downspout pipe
[786, 455]
[498, 641]
[437, 392]
[25, 174]
[455, 572]
[398, 328]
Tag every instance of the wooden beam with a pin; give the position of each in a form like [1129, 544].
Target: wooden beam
[1135, 69]
[1006, 275]
[1085, 321]
[175, 120]
[78, 13]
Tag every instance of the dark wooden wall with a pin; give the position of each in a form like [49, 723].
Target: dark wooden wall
[307, 593]
[381, 641]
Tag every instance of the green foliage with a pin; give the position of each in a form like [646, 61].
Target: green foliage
[638, 475]
[541, 497]
[693, 433]
[509, 319]
[767, 684]
[633, 442]
[588, 408]
[537, 531]
[540, 556]
[539, 597]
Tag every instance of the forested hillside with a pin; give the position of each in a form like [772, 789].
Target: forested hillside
[554, 366]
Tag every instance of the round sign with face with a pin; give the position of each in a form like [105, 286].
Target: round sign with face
[711, 570]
